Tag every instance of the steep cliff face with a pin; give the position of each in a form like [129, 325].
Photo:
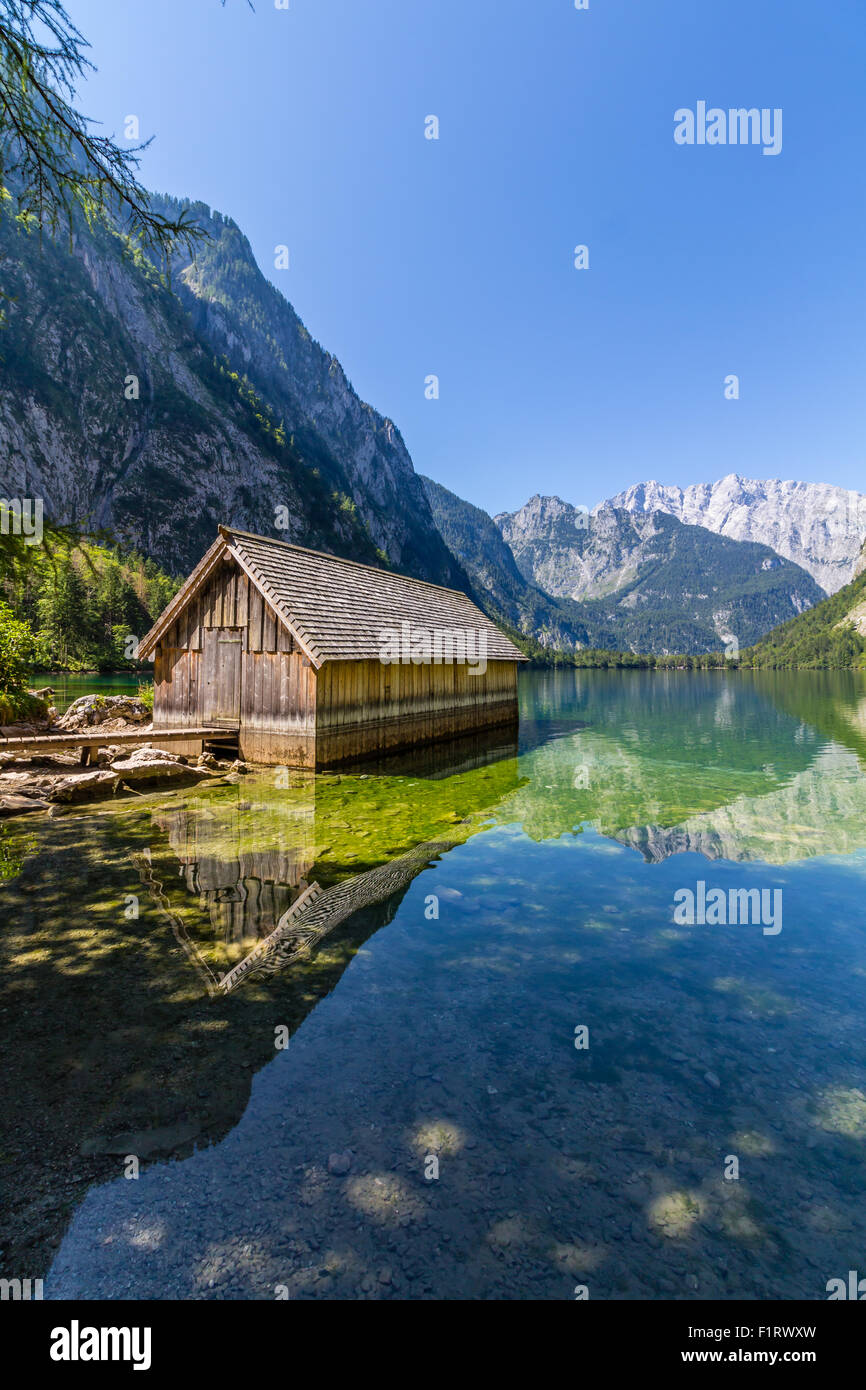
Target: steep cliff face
[241, 316]
[578, 555]
[88, 331]
[155, 414]
[857, 613]
[546, 537]
[818, 526]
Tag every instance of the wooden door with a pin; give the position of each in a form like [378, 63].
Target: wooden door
[222, 652]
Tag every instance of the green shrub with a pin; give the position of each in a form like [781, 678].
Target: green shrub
[17, 651]
[21, 705]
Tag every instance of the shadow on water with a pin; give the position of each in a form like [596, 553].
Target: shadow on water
[453, 1038]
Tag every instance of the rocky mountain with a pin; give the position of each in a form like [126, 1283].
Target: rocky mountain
[651, 566]
[473, 536]
[616, 581]
[816, 525]
[155, 413]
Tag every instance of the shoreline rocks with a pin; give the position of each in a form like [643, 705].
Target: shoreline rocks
[148, 765]
[85, 786]
[18, 804]
[52, 782]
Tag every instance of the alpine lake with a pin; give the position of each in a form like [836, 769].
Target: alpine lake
[432, 1028]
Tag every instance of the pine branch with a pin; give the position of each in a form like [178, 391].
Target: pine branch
[52, 163]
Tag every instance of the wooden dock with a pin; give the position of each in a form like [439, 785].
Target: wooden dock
[89, 739]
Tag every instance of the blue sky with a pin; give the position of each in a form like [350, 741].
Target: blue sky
[412, 257]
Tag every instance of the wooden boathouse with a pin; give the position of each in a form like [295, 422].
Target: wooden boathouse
[315, 660]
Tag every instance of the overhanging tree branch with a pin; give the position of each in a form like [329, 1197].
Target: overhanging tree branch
[52, 163]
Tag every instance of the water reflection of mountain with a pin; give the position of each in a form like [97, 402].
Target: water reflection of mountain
[733, 767]
[820, 811]
[831, 703]
[699, 719]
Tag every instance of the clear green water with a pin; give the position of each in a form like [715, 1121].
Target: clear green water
[69, 687]
[416, 1038]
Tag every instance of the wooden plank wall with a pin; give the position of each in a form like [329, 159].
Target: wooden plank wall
[365, 707]
[353, 692]
[278, 683]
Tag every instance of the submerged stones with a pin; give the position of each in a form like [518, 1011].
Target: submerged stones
[14, 804]
[339, 1164]
[143, 1143]
[84, 786]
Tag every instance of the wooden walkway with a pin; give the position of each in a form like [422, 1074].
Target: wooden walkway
[89, 739]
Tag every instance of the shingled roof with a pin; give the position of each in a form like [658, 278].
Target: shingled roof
[337, 609]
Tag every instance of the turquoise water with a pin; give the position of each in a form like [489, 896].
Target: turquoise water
[68, 687]
[470, 916]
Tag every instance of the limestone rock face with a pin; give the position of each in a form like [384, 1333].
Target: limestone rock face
[188, 446]
[818, 526]
[660, 584]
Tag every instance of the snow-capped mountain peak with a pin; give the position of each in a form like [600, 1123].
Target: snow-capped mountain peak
[817, 525]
